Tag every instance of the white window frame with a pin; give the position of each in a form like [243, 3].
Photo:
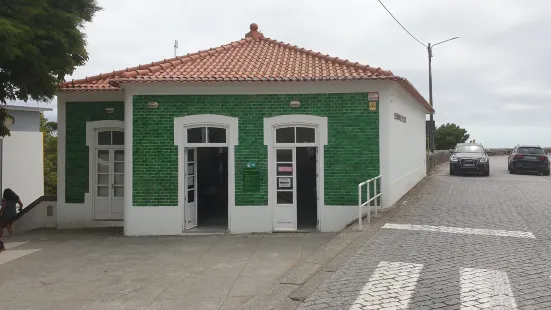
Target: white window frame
[207, 144]
[181, 124]
[296, 144]
[111, 146]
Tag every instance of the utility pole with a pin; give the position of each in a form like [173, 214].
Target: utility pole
[429, 47]
[432, 127]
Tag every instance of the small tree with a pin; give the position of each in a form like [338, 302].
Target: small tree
[49, 130]
[41, 41]
[448, 136]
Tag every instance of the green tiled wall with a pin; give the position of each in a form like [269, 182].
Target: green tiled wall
[77, 154]
[351, 156]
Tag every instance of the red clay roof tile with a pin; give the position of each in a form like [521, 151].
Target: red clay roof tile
[254, 58]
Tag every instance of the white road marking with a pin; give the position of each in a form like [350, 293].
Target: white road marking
[11, 245]
[9, 255]
[486, 289]
[390, 286]
[466, 231]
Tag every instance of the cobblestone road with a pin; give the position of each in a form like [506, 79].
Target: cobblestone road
[461, 242]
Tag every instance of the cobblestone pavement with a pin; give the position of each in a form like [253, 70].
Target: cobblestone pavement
[461, 242]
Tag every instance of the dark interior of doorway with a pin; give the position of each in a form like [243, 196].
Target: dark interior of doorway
[212, 186]
[307, 207]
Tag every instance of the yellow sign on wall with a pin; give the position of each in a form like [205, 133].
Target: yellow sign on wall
[372, 106]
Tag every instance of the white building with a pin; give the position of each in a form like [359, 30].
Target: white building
[22, 158]
[252, 136]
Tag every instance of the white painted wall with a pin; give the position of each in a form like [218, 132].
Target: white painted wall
[402, 145]
[23, 165]
[248, 88]
[385, 116]
[80, 215]
[335, 218]
[37, 218]
[153, 221]
[251, 219]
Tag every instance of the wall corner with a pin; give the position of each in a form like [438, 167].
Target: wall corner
[61, 150]
[128, 133]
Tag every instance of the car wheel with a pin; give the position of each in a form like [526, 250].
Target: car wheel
[511, 171]
[487, 173]
[452, 172]
[546, 173]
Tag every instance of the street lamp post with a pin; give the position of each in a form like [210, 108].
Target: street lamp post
[432, 127]
[7, 122]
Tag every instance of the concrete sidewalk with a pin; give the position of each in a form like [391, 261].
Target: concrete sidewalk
[99, 269]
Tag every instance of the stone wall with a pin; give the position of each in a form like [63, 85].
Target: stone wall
[436, 158]
[505, 151]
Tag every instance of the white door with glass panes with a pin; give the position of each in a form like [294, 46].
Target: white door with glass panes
[190, 202]
[109, 175]
[285, 213]
[287, 139]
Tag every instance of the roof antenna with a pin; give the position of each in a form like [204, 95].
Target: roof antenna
[175, 47]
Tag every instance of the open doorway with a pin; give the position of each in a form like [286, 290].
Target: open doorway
[307, 206]
[212, 187]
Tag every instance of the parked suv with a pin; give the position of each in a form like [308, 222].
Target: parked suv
[528, 158]
[469, 157]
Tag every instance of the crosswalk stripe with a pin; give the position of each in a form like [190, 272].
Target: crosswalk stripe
[486, 289]
[390, 286]
[460, 230]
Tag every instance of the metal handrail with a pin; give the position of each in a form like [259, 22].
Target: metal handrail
[369, 200]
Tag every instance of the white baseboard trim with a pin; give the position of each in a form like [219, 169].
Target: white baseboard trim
[251, 219]
[335, 218]
[153, 221]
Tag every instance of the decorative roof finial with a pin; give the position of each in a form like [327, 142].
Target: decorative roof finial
[254, 33]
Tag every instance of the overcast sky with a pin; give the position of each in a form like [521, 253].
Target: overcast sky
[494, 81]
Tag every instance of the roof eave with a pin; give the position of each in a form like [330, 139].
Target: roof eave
[84, 89]
[416, 94]
[25, 108]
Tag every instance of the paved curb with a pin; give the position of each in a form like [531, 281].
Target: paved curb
[299, 282]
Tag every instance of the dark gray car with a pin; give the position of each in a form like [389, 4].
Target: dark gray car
[529, 158]
[469, 158]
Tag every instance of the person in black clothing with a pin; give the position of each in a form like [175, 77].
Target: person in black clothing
[8, 212]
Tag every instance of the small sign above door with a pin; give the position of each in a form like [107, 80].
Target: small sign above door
[285, 169]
